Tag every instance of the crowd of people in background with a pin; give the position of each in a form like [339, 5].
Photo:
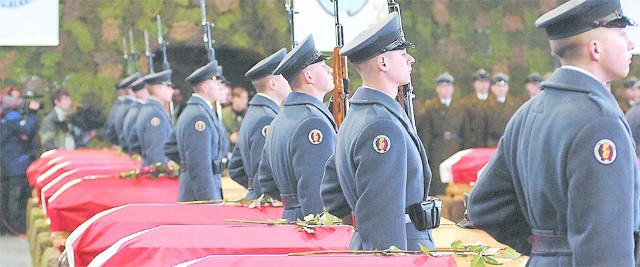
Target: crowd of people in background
[23, 138]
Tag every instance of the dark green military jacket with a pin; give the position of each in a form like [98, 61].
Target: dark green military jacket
[440, 129]
[497, 117]
[475, 121]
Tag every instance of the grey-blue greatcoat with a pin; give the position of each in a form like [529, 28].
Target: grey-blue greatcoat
[291, 162]
[245, 160]
[129, 127]
[633, 117]
[195, 142]
[109, 126]
[118, 117]
[550, 177]
[152, 130]
[379, 186]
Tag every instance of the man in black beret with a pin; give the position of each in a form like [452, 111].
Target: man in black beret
[563, 185]
[113, 126]
[301, 137]
[263, 108]
[198, 141]
[380, 164]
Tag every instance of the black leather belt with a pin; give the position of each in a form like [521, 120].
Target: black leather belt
[558, 244]
[290, 201]
[550, 244]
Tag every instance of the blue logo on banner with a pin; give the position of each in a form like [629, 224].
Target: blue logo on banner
[13, 3]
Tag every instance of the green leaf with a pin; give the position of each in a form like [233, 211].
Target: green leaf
[462, 254]
[327, 219]
[491, 260]
[424, 249]
[510, 253]
[456, 244]
[477, 261]
[477, 248]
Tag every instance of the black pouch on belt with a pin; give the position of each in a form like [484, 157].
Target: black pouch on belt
[426, 214]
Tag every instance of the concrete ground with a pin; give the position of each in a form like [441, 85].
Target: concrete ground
[14, 252]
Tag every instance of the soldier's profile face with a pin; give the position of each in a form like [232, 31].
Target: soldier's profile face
[399, 62]
[322, 75]
[615, 51]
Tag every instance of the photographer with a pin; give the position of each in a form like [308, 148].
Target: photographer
[17, 130]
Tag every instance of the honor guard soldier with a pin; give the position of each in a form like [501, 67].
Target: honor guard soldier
[475, 114]
[301, 137]
[265, 105]
[532, 84]
[113, 126]
[501, 108]
[440, 129]
[380, 161]
[129, 141]
[197, 141]
[563, 185]
[154, 124]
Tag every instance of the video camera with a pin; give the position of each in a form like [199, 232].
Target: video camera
[25, 103]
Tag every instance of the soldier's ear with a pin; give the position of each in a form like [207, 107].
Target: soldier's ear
[308, 78]
[594, 49]
[272, 84]
[382, 65]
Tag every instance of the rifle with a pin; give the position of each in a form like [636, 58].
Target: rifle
[163, 44]
[405, 92]
[125, 56]
[165, 64]
[134, 54]
[147, 51]
[340, 74]
[206, 36]
[289, 8]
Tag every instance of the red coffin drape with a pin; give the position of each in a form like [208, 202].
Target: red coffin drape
[172, 244]
[463, 166]
[41, 164]
[103, 230]
[52, 187]
[71, 162]
[80, 199]
[320, 260]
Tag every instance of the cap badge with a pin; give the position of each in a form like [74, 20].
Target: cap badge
[265, 129]
[381, 144]
[155, 121]
[605, 151]
[315, 136]
[200, 126]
